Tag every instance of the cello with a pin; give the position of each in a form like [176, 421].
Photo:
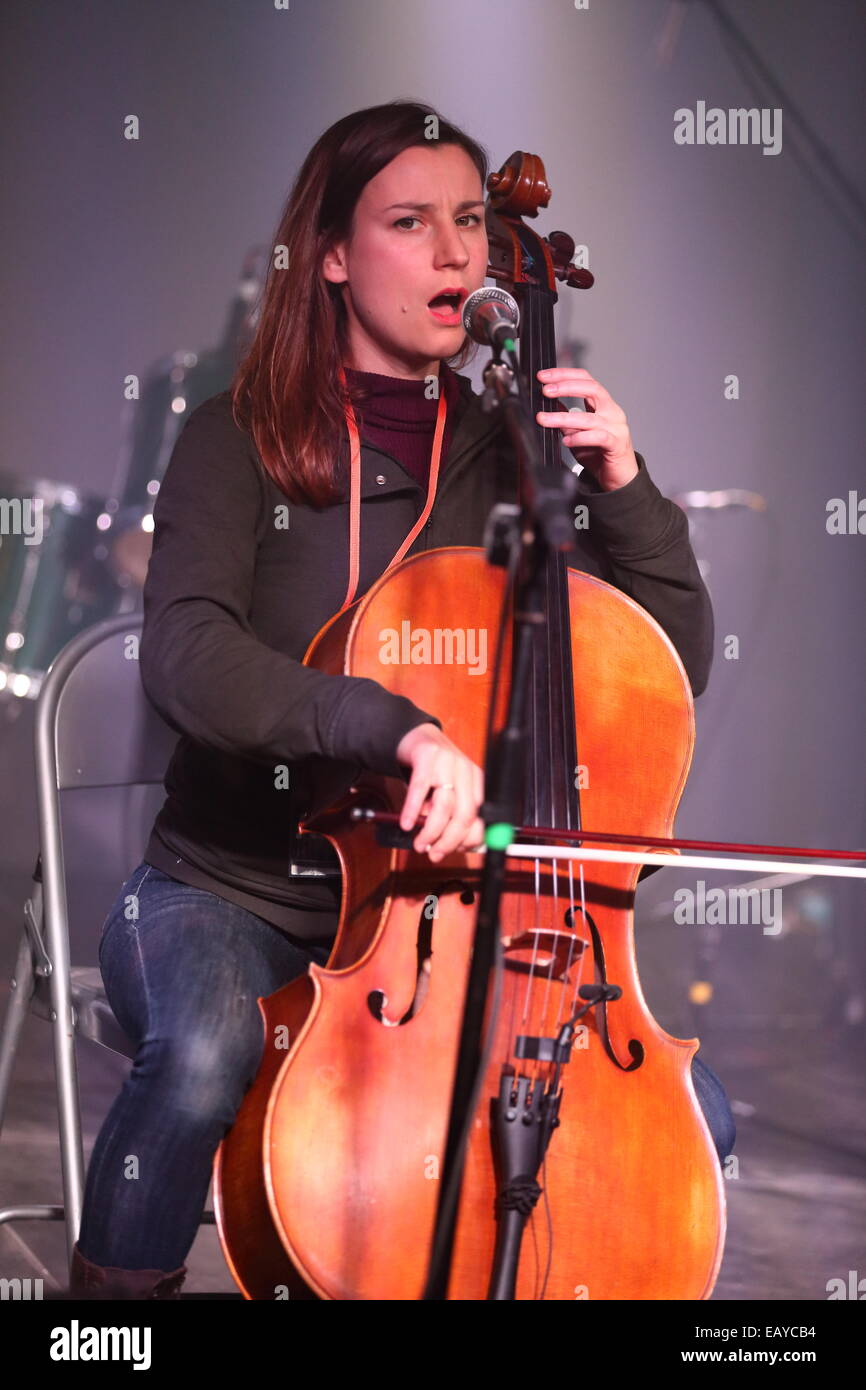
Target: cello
[326, 1185]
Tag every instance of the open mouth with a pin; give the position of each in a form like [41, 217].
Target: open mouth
[446, 306]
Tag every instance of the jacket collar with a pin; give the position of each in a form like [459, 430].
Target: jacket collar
[472, 430]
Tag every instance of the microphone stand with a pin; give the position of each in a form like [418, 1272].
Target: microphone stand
[521, 535]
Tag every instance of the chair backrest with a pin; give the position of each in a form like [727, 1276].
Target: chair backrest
[95, 727]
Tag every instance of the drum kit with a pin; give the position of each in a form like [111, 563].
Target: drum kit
[86, 556]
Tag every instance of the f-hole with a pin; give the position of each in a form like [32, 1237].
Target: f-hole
[376, 999]
[635, 1047]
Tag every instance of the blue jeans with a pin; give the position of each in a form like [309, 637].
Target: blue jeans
[183, 970]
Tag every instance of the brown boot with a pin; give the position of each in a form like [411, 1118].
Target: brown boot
[88, 1281]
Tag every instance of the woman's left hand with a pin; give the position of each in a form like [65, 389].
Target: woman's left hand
[599, 437]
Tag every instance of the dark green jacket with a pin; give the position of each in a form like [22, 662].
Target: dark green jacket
[232, 600]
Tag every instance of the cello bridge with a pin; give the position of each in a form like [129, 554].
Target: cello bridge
[543, 950]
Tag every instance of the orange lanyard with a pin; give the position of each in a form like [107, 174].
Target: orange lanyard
[355, 493]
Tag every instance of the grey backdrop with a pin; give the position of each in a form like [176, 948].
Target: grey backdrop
[708, 261]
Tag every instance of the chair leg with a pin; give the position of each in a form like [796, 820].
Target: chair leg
[30, 964]
[20, 994]
[52, 927]
[69, 1116]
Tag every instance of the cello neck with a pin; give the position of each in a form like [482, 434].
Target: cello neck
[552, 796]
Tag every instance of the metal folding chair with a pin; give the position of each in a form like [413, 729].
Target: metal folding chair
[95, 727]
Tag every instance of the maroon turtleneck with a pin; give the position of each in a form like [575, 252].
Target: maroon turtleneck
[395, 416]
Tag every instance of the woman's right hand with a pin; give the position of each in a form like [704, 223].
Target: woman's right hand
[452, 822]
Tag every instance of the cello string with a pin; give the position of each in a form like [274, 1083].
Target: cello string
[553, 660]
[505, 623]
[585, 953]
[519, 1014]
[556, 635]
[545, 651]
[558, 613]
[568, 752]
[541, 698]
[532, 352]
[579, 930]
[539, 350]
[551, 654]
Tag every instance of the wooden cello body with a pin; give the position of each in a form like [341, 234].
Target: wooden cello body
[330, 1171]
[327, 1184]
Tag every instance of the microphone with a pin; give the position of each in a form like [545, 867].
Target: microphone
[490, 316]
[599, 994]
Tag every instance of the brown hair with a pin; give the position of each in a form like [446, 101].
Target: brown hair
[294, 358]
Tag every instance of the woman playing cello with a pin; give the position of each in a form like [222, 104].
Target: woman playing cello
[381, 239]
